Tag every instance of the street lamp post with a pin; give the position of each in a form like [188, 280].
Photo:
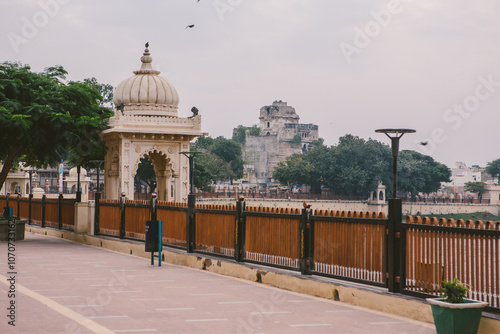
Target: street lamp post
[97, 196]
[30, 195]
[98, 164]
[78, 190]
[398, 133]
[396, 266]
[190, 220]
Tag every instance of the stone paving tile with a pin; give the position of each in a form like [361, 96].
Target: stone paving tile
[109, 292]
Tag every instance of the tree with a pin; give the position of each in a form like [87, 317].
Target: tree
[145, 173]
[228, 155]
[294, 170]
[208, 168]
[476, 187]
[355, 166]
[320, 141]
[105, 90]
[230, 152]
[240, 134]
[45, 120]
[420, 173]
[493, 168]
[296, 140]
[255, 130]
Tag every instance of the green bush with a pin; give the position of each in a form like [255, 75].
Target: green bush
[454, 291]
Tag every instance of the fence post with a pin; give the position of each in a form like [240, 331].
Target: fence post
[43, 210]
[59, 209]
[190, 224]
[122, 215]
[97, 197]
[18, 206]
[239, 230]
[306, 247]
[30, 197]
[394, 250]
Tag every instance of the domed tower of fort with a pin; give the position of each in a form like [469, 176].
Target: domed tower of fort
[280, 136]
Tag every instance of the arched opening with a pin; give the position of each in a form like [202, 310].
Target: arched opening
[145, 182]
[14, 188]
[268, 124]
[155, 173]
[381, 195]
[374, 195]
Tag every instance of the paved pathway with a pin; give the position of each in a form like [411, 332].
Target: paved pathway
[64, 287]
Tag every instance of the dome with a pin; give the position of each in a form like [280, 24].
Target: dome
[146, 93]
[74, 172]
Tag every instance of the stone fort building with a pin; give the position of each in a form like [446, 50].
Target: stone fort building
[281, 135]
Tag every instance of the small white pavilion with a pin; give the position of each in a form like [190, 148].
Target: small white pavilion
[146, 124]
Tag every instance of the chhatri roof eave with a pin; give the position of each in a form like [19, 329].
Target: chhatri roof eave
[187, 132]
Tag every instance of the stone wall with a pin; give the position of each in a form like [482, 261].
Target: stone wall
[408, 208]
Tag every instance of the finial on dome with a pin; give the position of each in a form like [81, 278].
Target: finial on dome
[146, 60]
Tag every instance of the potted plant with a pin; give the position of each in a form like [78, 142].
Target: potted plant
[453, 313]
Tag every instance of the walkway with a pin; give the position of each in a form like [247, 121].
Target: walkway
[64, 287]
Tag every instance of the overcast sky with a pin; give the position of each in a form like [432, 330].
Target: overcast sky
[349, 66]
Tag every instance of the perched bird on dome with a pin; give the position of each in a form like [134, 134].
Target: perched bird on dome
[147, 45]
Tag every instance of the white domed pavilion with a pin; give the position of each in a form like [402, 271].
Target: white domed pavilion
[146, 124]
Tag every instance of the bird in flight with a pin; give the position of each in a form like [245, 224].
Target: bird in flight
[190, 26]
[423, 143]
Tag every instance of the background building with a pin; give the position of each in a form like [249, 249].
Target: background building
[462, 174]
[280, 136]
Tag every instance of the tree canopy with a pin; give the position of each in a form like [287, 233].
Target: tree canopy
[475, 187]
[222, 160]
[493, 168]
[241, 132]
[420, 173]
[355, 165]
[44, 119]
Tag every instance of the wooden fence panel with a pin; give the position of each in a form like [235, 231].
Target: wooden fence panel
[135, 219]
[51, 212]
[174, 225]
[36, 211]
[272, 238]
[14, 206]
[353, 249]
[445, 249]
[24, 208]
[68, 214]
[109, 217]
[215, 231]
